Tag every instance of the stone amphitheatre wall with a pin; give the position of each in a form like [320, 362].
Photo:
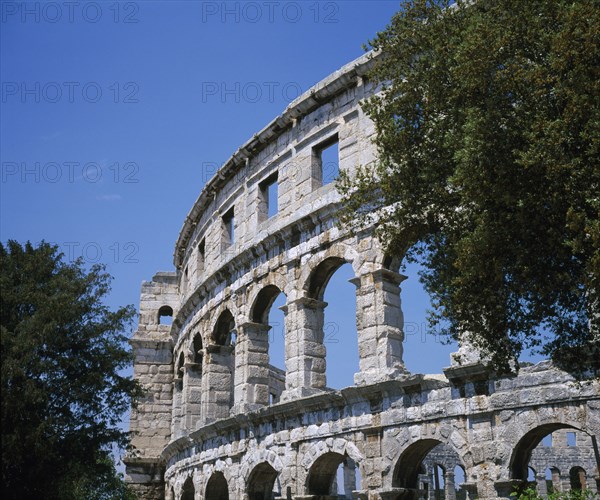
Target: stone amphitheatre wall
[218, 421]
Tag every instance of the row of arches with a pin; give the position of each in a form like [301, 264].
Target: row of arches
[253, 359]
[428, 469]
[552, 480]
[332, 474]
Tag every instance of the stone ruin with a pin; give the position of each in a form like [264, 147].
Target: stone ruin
[219, 422]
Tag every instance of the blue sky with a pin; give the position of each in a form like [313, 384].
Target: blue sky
[115, 114]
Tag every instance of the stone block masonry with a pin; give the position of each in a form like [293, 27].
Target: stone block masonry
[220, 422]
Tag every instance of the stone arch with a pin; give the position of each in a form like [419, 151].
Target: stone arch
[179, 367]
[459, 472]
[188, 492]
[255, 458]
[577, 478]
[521, 455]
[318, 269]
[322, 473]
[320, 276]
[261, 482]
[222, 332]
[316, 274]
[266, 338]
[406, 470]
[338, 445]
[164, 312]
[410, 445]
[554, 477]
[216, 487]
[218, 376]
[191, 401]
[196, 349]
[318, 471]
[262, 303]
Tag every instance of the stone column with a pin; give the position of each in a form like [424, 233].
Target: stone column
[251, 386]
[541, 487]
[449, 488]
[217, 383]
[379, 323]
[176, 423]
[169, 492]
[433, 485]
[192, 397]
[349, 476]
[304, 348]
[565, 481]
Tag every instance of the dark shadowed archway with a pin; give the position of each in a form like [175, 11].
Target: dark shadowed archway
[323, 474]
[216, 488]
[188, 492]
[262, 482]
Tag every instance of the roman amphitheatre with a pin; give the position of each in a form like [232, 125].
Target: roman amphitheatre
[220, 422]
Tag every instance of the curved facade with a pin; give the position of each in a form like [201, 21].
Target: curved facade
[219, 421]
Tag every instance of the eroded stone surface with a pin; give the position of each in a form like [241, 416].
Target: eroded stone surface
[219, 421]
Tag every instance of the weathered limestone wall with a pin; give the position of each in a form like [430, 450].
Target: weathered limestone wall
[151, 421]
[220, 422]
[386, 429]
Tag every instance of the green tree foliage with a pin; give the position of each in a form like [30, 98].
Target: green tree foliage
[488, 132]
[531, 494]
[62, 394]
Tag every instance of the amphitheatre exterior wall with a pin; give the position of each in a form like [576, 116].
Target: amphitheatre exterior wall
[218, 421]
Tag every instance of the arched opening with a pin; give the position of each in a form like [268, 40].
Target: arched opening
[552, 479]
[224, 333]
[460, 478]
[424, 350]
[197, 352]
[522, 453]
[263, 303]
[431, 469]
[406, 472]
[179, 371]
[439, 481]
[218, 379]
[216, 488]
[325, 476]
[577, 478]
[165, 315]
[188, 492]
[531, 475]
[178, 383]
[193, 407]
[262, 484]
[267, 311]
[329, 285]
[348, 479]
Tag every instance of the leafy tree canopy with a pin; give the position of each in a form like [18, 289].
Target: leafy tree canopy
[488, 133]
[62, 394]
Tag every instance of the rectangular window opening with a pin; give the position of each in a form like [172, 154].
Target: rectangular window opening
[571, 439]
[268, 203]
[326, 156]
[228, 228]
[547, 440]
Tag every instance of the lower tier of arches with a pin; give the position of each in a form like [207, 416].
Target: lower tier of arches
[403, 439]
